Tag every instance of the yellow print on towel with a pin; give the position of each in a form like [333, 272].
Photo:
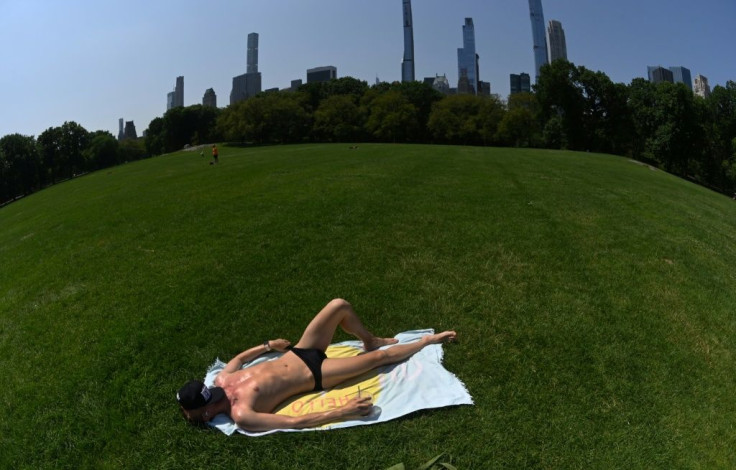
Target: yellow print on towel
[315, 402]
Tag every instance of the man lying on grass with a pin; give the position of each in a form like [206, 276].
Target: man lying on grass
[249, 396]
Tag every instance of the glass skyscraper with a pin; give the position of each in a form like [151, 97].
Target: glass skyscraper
[682, 75]
[556, 45]
[659, 74]
[407, 66]
[520, 83]
[538, 36]
[467, 61]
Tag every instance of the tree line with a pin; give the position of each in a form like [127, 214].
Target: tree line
[28, 164]
[571, 108]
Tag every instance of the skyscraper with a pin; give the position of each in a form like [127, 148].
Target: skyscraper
[176, 97]
[121, 132]
[520, 83]
[682, 75]
[467, 61]
[441, 84]
[252, 53]
[407, 66]
[658, 74]
[248, 84]
[556, 45]
[240, 87]
[321, 74]
[130, 132]
[209, 98]
[540, 42]
[702, 88]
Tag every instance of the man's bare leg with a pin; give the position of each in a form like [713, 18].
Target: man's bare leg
[321, 329]
[338, 370]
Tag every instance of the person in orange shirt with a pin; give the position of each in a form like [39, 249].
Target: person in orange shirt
[214, 154]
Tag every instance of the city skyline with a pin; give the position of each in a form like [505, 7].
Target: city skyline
[95, 70]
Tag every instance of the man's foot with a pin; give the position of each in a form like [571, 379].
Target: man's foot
[376, 343]
[437, 338]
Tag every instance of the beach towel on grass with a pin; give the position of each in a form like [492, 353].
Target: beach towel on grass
[417, 383]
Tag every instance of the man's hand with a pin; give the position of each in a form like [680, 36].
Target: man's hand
[279, 345]
[357, 407]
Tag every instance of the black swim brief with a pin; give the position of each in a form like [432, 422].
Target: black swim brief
[313, 359]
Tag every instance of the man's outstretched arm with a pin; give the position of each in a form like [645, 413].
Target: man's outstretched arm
[248, 355]
[258, 422]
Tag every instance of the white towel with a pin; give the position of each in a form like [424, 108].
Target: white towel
[417, 383]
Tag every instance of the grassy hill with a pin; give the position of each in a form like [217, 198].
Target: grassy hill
[593, 297]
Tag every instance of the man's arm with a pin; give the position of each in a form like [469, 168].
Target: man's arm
[248, 355]
[258, 422]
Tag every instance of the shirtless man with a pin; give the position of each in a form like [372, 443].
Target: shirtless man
[250, 395]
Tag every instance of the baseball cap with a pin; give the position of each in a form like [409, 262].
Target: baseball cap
[194, 394]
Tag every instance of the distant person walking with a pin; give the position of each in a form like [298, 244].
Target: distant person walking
[214, 154]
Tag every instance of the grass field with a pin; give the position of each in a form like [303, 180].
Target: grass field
[593, 297]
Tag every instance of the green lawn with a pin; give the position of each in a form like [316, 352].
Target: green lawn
[593, 297]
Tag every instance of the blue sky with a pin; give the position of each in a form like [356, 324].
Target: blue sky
[94, 61]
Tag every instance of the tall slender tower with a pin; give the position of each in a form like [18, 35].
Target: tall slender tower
[248, 84]
[540, 42]
[467, 61]
[252, 53]
[407, 66]
[556, 45]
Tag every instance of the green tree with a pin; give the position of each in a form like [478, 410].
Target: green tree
[559, 98]
[642, 104]
[520, 126]
[392, 118]
[422, 96]
[316, 92]
[279, 117]
[53, 163]
[465, 119]
[182, 126]
[20, 166]
[491, 113]
[130, 150]
[231, 124]
[102, 151]
[678, 137]
[605, 121]
[286, 117]
[5, 191]
[339, 119]
[73, 139]
[155, 141]
[720, 109]
[584, 110]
